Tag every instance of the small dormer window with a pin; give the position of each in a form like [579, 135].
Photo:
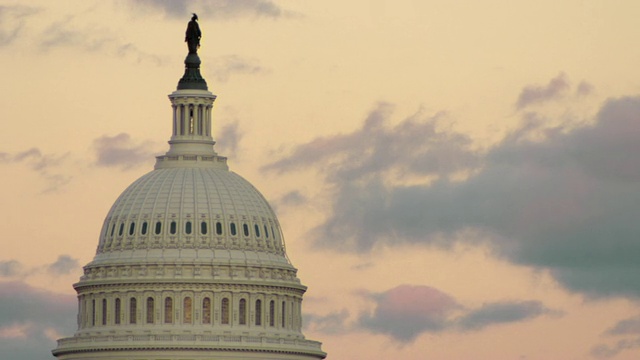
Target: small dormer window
[121, 230]
[203, 228]
[132, 228]
[144, 228]
[187, 228]
[257, 230]
[158, 229]
[245, 229]
[219, 228]
[173, 228]
[233, 229]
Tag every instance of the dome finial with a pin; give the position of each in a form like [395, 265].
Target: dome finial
[192, 78]
[193, 35]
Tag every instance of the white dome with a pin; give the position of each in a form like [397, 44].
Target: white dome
[191, 213]
[191, 262]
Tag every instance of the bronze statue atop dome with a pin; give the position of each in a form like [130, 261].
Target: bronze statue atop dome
[192, 79]
[193, 35]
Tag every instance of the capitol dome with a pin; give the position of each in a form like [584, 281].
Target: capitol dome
[191, 262]
[203, 213]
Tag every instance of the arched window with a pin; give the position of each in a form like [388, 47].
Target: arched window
[272, 313]
[158, 227]
[113, 228]
[144, 228]
[266, 233]
[150, 310]
[182, 113]
[104, 311]
[168, 310]
[117, 311]
[233, 229]
[219, 228]
[121, 230]
[257, 230]
[224, 310]
[133, 309]
[245, 229]
[283, 314]
[172, 228]
[206, 311]
[242, 310]
[187, 228]
[258, 312]
[187, 310]
[203, 228]
[132, 228]
[190, 119]
[93, 312]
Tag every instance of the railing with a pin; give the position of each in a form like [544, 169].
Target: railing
[197, 340]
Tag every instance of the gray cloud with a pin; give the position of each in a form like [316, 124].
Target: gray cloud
[66, 33]
[43, 164]
[626, 327]
[584, 88]
[121, 151]
[12, 22]
[501, 313]
[227, 66]
[28, 317]
[604, 351]
[407, 311]
[565, 202]
[215, 9]
[231, 137]
[65, 264]
[10, 268]
[535, 94]
[293, 198]
[414, 147]
[332, 323]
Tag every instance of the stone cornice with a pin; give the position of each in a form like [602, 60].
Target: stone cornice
[85, 344]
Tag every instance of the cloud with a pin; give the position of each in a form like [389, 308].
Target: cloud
[604, 351]
[34, 158]
[64, 265]
[502, 312]
[408, 311]
[215, 9]
[584, 88]
[293, 198]
[231, 135]
[332, 323]
[564, 201]
[121, 151]
[12, 22]
[10, 268]
[415, 146]
[68, 32]
[43, 164]
[227, 66]
[629, 326]
[536, 94]
[31, 318]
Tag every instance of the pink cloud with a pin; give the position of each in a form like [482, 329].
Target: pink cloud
[421, 301]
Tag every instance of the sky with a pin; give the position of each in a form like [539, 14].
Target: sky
[454, 179]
